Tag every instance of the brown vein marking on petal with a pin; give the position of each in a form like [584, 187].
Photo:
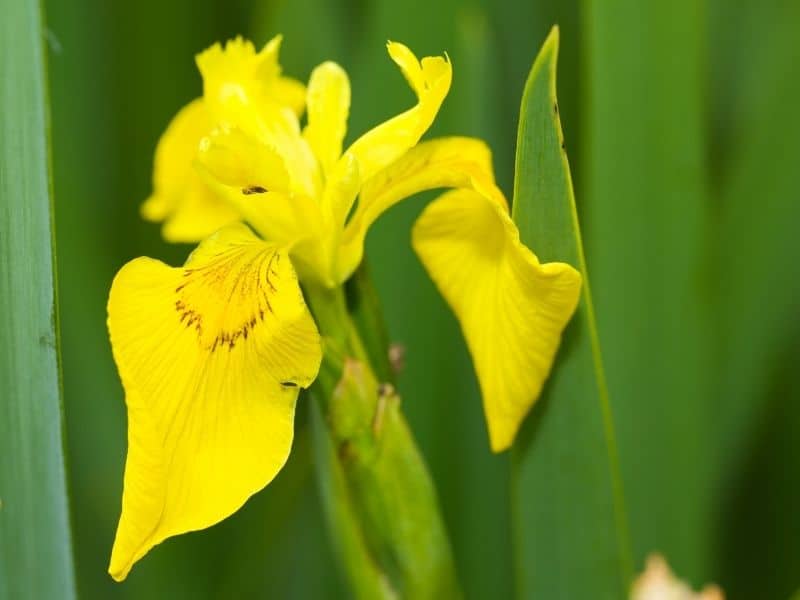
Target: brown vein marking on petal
[213, 296]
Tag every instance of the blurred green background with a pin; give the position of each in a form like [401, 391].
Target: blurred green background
[682, 125]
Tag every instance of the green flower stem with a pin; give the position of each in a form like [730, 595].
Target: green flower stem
[340, 337]
[367, 316]
[378, 496]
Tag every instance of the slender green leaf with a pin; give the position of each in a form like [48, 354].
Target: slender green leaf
[35, 545]
[520, 27]
[570, 523]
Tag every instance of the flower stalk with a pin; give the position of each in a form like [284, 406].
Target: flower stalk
[379, 498]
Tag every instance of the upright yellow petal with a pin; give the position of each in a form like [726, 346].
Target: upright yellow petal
[211, 356]
[235, 76]
[285, 91]
[444, 162]
[328, 102]
[511, 308]
[430, 79]
[190, 210]
[238, 83]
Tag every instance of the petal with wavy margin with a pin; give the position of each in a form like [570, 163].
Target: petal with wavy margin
[211, 356]
[512, 309]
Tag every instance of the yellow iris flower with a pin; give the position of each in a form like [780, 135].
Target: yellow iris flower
[212, 354]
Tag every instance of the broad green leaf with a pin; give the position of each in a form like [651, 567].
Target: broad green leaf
[568, 511]
[35, 545]
[645, 194]
[758, 403]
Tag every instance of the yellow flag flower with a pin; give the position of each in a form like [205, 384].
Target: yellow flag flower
[212, 354]
[190, 210]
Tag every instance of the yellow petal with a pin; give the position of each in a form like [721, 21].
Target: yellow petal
[328, 103]
[430, 80]
[511, 308]
[344, 184]
[283, 90]
[266, 129]
[211, 356]
[235, 76]
[191, 211]
[254, 179]
[444, 162]
[290, 93]
[236, 159]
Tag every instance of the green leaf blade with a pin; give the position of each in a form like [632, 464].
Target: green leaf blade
[572, 539]
[35, 543]
[758, 299]
[648, 218]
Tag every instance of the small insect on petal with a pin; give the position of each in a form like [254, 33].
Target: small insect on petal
[254, 189]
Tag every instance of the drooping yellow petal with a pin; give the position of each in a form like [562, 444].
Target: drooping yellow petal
[191, 211]
[659, 583]
[237, 76]
[430, 80]
[511, 308]
[211, 356]
[328, 102]
[444, 162]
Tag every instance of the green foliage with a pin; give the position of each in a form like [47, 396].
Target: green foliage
[682, 129]
[571, 533]
[646, 184]
[757, 475]
[35, 545]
